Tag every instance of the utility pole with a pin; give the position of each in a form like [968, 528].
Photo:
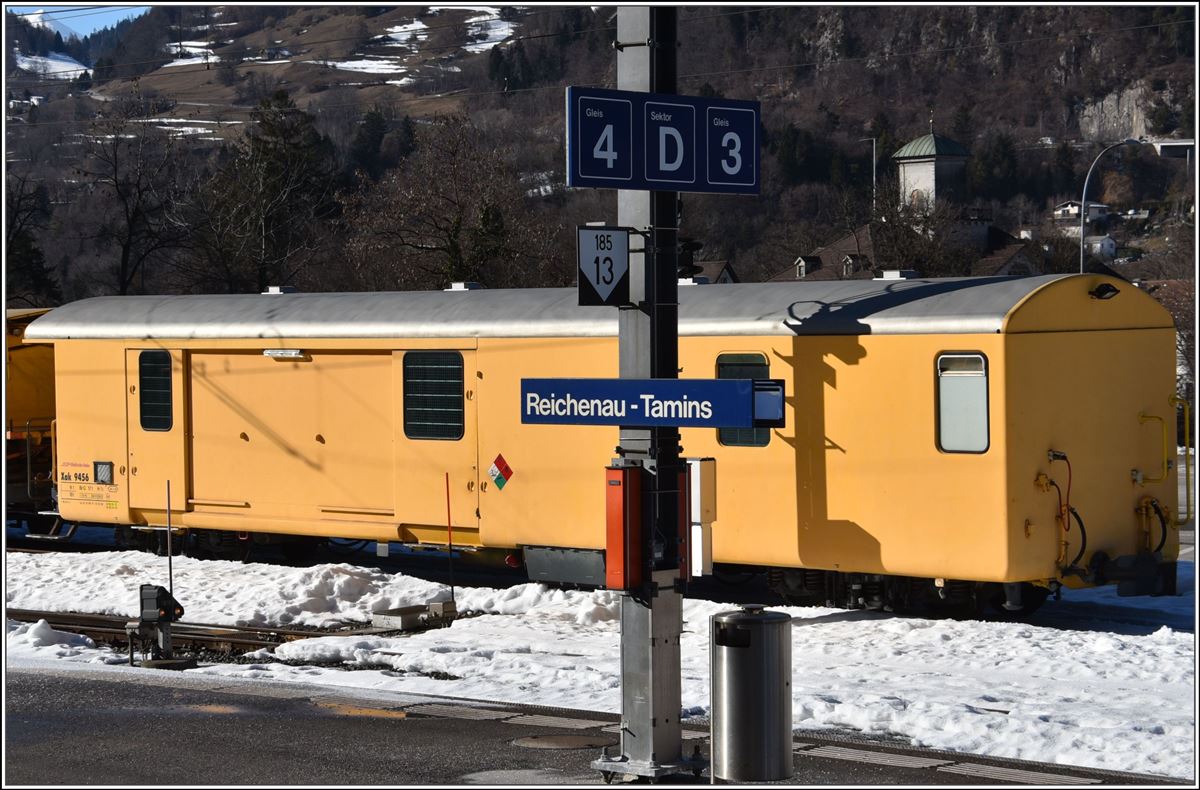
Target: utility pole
[873, 163]
[652, 618]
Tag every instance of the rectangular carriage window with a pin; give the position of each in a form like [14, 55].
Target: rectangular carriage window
[433, 395]
[154, 384]
[743, 366]
[962, 403]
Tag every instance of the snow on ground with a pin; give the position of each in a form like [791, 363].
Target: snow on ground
[368, 65]
[1102, 698]
[407, 35]
[188, 47]
[175, 128]
[489, 29]
[56, 65]
[490, 10]
[193, 61]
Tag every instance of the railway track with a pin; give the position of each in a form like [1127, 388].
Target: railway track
[222, 639]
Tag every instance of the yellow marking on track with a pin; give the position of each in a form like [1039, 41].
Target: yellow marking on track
[215, 708]
[353, 710]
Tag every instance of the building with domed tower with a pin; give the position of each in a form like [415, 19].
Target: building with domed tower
[932, 197]
[932, 168]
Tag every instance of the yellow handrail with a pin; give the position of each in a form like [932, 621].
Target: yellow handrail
[1176, 401]
[1144, 418]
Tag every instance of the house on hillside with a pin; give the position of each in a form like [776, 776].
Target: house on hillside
[932, 171]
[1066, 216]
[1070, 211]
[1101, 246]
[718, 272]
[852, 257]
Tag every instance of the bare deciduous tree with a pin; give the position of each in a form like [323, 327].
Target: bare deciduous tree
[454, 211]
[260, 220]
[131, 167]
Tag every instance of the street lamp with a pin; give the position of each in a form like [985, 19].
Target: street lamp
[873, 160]
[1083, 199]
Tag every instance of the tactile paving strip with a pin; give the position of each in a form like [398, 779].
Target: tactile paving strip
[459, 712]
[280, 692]
[359, 702]
[556, 721]
[1016, 775]
[875, 758]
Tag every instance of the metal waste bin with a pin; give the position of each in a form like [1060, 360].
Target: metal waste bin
[751, 694]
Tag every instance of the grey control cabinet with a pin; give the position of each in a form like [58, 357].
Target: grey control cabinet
[751, 695]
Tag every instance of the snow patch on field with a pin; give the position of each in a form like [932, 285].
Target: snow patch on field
[410, 34]
[489, 30]
[193, 61]
[56, 65]
[368, 65]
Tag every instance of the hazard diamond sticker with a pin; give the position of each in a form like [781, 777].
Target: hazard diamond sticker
[500, 472]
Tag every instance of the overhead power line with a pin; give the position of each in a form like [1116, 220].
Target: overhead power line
[54, 14]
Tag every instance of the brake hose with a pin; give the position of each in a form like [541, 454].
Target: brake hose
[1082, 539]
[1162, 519]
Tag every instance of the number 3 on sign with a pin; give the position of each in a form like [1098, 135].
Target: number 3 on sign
[604, 147]
[733, 147]
[607, 277]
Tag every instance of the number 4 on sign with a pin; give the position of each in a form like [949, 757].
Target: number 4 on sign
[604, 147]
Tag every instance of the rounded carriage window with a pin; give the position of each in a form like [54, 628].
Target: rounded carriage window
[962, 403]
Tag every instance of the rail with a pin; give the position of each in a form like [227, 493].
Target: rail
[214, 637]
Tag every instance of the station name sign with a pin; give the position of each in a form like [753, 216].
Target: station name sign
[652, 141]
[684, 403]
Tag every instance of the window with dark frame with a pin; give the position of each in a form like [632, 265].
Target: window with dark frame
[154, 386]
[743, 366]
[433, 395]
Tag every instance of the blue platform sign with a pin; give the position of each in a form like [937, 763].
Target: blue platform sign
[661, 403]
[650, 141]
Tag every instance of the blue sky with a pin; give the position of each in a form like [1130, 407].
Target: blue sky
[83, 19]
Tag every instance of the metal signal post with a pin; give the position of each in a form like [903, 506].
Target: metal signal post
[651, 618]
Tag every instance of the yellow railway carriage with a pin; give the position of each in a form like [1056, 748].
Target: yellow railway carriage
[939, 433]
[28, 413]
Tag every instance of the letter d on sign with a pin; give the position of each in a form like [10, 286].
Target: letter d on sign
[663, 133]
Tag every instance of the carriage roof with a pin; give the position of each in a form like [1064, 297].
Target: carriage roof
[838, 307]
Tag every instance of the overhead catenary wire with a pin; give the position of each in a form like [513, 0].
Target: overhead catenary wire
[71, 13]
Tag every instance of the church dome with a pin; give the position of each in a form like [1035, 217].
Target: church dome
[931, 145]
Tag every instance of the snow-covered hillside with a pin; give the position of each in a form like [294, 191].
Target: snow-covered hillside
[55, 65]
